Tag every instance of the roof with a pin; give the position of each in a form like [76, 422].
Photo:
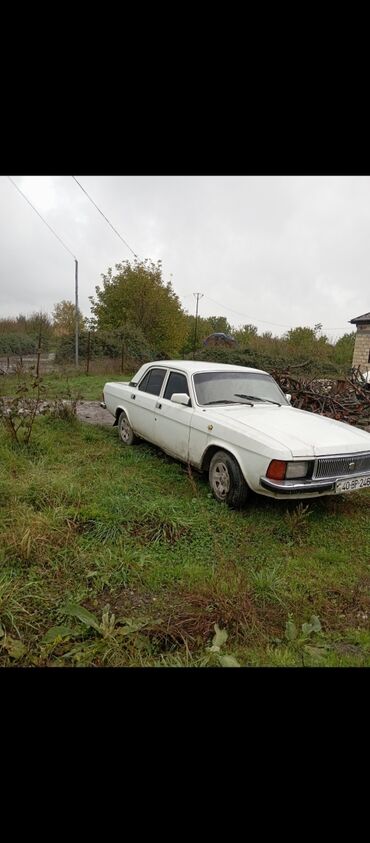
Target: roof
[364, 318]
[192, 366]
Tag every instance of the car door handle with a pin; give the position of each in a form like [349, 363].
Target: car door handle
[133, 396]
[158, 406]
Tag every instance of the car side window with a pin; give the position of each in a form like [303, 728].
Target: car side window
[152, 382]
[176, 383]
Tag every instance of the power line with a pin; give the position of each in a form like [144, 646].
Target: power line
[68, 250]
[41, 217]
[264, 321]
[238, 313]
[106, 218]
[278, 324]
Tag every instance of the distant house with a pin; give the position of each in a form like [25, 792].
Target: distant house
[361, 352]
[219, 339]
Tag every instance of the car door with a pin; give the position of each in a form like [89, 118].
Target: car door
[143, 400]
[172, 421]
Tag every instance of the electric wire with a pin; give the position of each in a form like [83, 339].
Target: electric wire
[106, 218]
[41, 217]
[264, 321]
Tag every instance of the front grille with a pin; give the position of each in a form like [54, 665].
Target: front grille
[342, 466]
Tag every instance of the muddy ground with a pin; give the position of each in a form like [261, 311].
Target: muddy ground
[92, 413]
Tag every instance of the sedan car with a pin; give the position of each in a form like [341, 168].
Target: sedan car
[235, 423]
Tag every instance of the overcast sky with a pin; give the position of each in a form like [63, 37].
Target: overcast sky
[274, 251]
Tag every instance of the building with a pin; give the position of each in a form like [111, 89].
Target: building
[361, 352]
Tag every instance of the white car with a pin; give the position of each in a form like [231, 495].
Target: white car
[236, 423]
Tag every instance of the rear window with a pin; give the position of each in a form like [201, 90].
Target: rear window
[153, 381]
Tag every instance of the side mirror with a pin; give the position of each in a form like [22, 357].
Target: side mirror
[180, 398]
[288, 397]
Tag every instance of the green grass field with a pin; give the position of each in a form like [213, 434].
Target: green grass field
[87, 387]
[114, 556]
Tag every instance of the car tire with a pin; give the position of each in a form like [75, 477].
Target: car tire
[125, 432]
[226, 480]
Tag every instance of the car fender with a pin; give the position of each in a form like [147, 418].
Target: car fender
[118, 411]
[248, 472]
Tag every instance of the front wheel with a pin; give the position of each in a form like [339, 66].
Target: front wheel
[226, 480]
[125, 431]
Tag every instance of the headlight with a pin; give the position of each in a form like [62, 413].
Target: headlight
[296, 469]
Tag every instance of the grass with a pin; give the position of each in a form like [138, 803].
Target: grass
[119, 556]
[58, 384]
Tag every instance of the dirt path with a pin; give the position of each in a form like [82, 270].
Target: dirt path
[87, 411]
[92, 413]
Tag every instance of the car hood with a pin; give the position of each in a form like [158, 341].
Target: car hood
[301, 432]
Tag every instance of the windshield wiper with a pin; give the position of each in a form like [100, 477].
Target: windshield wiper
[256, 398]
[226, 401]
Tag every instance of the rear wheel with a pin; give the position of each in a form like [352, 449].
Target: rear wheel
[226, 480]
[125, 431]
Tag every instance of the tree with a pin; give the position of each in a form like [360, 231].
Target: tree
[137, 296]
[245, 334]
[64, 318]
[130, 344]
[25, 334]
[343, 350]
[39, 327]
[219, 324]
[305, 344]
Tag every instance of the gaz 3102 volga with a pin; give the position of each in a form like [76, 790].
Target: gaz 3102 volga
[236, 424]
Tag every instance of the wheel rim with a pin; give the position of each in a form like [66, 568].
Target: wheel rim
[220, 479]
[125, 430]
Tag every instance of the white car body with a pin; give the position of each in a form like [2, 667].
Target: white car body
[255, 435]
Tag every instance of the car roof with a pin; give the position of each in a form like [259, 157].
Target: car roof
[194, 366]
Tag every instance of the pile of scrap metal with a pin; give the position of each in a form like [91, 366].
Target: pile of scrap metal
[346, 399]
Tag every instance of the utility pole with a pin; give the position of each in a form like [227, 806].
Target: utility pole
[39, 351]
[88, 353]
[76, 309]
[197, 296]
[65, 247]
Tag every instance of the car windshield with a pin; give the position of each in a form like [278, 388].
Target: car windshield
[226, 387]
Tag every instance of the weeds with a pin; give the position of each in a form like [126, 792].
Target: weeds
[101, 531]
[63, 410]
[129, 633]
[86, 523]
[18, 413]
[296, 522]
[10, 607]
[36, 539]
[298, 641]
[267, 583]
[156, 528]
[193, 485]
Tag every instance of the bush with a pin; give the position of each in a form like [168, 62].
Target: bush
[20, 344]
[259, 360]
[105, 345]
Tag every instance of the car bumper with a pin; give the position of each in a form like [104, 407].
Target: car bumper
[305, 487]
[296, 487]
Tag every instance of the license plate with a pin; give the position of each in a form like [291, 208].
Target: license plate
[353, 484]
